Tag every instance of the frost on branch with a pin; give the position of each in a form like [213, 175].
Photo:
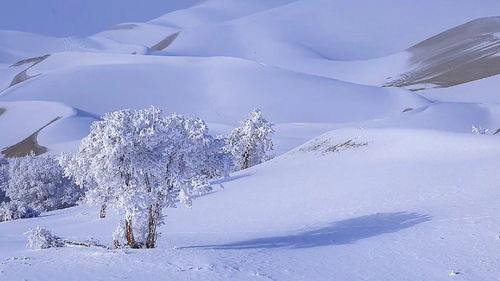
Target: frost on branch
[251, 142]
[41, 238]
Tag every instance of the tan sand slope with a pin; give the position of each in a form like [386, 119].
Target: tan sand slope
[462, 54]
[34, 61]
[27, 146]
[165, 42]
[21, 77]
[124, 26]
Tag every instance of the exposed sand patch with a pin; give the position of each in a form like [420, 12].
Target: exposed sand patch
[462, 54]
[124, 26]
[23, 75]
[160, 46]
[34, 61]
[27, 146]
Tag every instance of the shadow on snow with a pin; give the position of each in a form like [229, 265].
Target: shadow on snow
[342, 232]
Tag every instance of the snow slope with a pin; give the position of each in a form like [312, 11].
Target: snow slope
[479, 91]
[402, 205]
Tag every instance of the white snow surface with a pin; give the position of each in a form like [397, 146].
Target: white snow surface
[479, 91]
[408, 205]
[413, 196]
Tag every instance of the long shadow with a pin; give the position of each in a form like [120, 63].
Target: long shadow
[337, 233]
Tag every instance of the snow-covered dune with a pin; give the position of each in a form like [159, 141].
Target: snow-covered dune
[221, 89]
[462, 54]
[217, 89]
[353, 204]
[286, 36]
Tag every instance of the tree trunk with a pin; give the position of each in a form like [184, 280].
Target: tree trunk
[102, 213]
[154, 212]
[129, 234]
[246, 160]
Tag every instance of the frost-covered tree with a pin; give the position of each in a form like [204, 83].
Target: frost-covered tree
[4, 176]
[218, 161]
[14, 210]
[38, 181]
[140, 162]
[250, 143]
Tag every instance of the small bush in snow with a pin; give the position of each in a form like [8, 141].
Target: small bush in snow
[251, 142]
[14, 210]
[140, 162]
[478, 130]
[38, 182]
[41, 238]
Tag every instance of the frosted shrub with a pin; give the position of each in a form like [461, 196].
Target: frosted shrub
[41, 238]
[140, 162]
[14, 210]
[478, 130]
[251, 142]
[38, 182]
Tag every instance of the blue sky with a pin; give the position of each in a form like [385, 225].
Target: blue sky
[80, 17]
